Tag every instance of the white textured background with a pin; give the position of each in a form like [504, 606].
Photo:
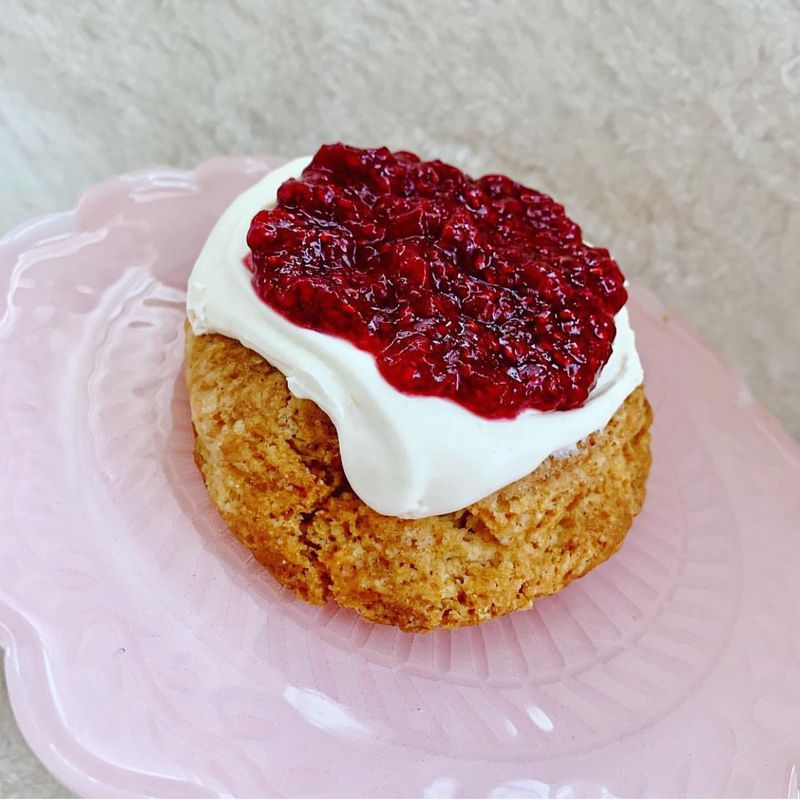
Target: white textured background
[670, 129]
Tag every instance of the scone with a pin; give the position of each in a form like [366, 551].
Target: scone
[414, 394]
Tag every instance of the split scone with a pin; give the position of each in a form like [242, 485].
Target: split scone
[414, 393]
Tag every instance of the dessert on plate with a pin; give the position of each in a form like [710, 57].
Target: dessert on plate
[413, 392]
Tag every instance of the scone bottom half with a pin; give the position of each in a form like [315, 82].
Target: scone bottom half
[271, 465]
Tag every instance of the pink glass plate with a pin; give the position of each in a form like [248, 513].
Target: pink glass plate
[148, 654]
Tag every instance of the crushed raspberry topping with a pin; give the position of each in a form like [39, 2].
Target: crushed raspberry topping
[481, 290]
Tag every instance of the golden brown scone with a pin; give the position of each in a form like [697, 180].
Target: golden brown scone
[271, 465]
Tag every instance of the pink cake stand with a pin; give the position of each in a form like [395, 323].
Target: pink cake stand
[146, 653]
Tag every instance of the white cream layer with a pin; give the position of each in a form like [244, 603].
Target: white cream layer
[406, 456]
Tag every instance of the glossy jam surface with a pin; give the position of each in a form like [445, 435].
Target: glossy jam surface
[476, 290]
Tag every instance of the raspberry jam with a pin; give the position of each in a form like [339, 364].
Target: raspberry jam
[481, 291]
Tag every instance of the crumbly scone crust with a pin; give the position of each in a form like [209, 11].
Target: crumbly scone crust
[271, 465]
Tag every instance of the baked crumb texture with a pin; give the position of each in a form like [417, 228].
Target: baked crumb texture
[271, 466]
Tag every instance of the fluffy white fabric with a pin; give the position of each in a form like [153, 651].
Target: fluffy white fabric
[671, 130]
